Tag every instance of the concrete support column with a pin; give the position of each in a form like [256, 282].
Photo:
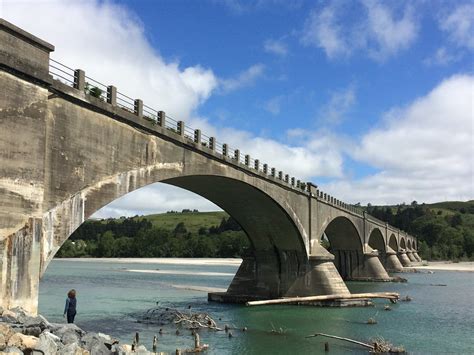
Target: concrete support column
[371, 268]
[411, 257]
[392, 264]
[417, 257]
[402, 256]
[20, 263]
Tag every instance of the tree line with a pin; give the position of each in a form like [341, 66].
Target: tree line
[132, 237]
[442, 234]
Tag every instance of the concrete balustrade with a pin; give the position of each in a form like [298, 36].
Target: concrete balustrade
[138, 108]
[112, 95]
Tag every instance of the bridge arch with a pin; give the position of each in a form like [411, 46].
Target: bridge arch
[345, 244]
[377, 241]
[393, 243]
[409, 244]
[403, 244]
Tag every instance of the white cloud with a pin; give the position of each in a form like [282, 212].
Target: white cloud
[275, 47]
[243, 79]
[386, 34]
[109, 43]
[273, 105]
[378, 31]
[441, 57]
[156, 198]
[339, 105]
[424, 152]
[459, 24]
[322, 30]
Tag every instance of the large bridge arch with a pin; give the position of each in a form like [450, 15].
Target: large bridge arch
[346, 245]
[393, 242]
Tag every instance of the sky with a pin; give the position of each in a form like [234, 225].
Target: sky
[373, 101]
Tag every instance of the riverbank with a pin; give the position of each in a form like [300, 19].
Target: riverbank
[466, 266]
[21, 333]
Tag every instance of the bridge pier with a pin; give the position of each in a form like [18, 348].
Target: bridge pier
[417, 257]
[355, 265]
[402, 256]
[257, 279]
[411, 257]
[392, 263]
[20, 260]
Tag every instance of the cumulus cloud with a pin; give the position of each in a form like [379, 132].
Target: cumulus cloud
[322, 30]
[424, 151]
[243, 79]
[339, 105]
[276, 47]
[156, 198]
[381, 32]
[459, 25]
[273, 105]
[441, 57]
[109, 43]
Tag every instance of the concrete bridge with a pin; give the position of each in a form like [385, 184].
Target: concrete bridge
[67, 150]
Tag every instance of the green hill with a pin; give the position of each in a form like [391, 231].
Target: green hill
[192, 220]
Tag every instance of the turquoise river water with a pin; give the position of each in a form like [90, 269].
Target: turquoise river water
[439, 319]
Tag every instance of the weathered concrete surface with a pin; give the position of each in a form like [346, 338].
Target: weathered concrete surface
[65, 154]
[402, 256]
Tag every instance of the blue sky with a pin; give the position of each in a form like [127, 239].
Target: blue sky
[371, 100]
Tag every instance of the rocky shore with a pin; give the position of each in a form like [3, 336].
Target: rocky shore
[21, 333]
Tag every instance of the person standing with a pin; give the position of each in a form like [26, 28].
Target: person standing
[70, 308]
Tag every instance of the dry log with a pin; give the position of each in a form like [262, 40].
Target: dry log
[369, 346]
[385, 295]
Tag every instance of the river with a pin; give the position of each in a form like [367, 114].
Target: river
[439, 319]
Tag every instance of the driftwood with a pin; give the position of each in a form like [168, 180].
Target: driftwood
[392, 296]
[379, 345]
[369, 346]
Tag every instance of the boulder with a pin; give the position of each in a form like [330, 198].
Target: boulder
[6, 331]
[34, 331]
[22, 341]
[9, 316]
[3, 342]
[48, 343]
[72, 349]
[69, 333]
[10, 350]
[98, 343]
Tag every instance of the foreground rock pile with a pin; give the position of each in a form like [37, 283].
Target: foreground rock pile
[21, 333]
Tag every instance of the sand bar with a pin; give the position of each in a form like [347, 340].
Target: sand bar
[447, 266]
[171, 261]
[179, 272]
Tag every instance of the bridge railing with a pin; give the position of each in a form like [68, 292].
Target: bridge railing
[78, 79]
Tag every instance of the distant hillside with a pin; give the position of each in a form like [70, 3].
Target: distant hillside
[192, 220]
[445, 229]
[172, 234]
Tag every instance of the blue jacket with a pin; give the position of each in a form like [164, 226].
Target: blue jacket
[70, 305]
